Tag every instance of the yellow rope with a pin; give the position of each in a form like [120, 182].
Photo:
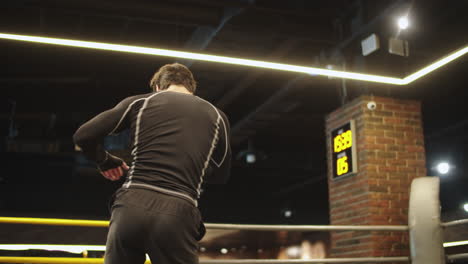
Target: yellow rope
[51, 260]
[53, 221]
[54, 260]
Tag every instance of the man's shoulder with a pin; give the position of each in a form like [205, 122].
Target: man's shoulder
[134, 98]
[137, 97]
[211, 105]
[217, 110]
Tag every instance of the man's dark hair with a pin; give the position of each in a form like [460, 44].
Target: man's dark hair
[174, 73]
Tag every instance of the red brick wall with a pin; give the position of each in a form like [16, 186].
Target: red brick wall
[390, 152]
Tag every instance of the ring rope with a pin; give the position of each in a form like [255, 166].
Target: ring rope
[220, 261]
[455, 257]
[100, 223]
[455, 223]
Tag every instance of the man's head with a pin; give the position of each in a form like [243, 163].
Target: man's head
[174, 73]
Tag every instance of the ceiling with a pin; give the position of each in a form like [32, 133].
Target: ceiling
[55, 89]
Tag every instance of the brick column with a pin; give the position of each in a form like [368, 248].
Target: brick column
[390, 153]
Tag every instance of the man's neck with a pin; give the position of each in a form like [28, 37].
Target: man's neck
[178, 89]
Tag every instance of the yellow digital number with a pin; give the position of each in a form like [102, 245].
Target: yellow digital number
[348, 139]
[342, 166]
[337, 143]
[343, 141]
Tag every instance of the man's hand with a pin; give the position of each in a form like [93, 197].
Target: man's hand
[116, 173]
[112, 167]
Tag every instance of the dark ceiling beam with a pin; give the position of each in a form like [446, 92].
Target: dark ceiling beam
[203, 35]
[282, 50]
[313, 28]
[60, 80]
[274, 108]
[325, 11]
[160, 12]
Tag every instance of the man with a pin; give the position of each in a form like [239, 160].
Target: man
[179, 141]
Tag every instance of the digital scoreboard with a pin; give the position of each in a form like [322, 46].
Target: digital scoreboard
[343, 150]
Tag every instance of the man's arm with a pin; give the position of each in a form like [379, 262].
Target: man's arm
[90, 136]
[220, 164]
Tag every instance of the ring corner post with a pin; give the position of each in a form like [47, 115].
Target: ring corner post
[426, 234]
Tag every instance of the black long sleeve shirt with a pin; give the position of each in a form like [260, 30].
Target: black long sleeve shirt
[178, 141]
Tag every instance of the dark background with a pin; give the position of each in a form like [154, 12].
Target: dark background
[48, 91]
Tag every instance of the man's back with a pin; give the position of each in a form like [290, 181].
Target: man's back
[175, 138]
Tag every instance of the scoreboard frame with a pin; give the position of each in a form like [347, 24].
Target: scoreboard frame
[343, 149]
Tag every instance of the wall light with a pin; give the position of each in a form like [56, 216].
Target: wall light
[238, 61]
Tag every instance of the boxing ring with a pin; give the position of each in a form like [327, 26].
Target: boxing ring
[424, 226]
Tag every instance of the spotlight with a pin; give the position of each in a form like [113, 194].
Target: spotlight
[465, 207]
[224, 251]
[251, 155]
[250, 158]
[286, 212]
[403, 22]
[443, 168]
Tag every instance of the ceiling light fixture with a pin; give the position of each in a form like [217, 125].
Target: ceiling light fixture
[403, 22]
[239, 61]
[456, 243]
[435, 65]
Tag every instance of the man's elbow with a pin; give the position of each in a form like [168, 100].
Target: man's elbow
[80, 139]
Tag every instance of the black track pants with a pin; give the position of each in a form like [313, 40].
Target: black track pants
[143, 222]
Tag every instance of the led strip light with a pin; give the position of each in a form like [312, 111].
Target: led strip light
[238, 61]
[456, 243]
